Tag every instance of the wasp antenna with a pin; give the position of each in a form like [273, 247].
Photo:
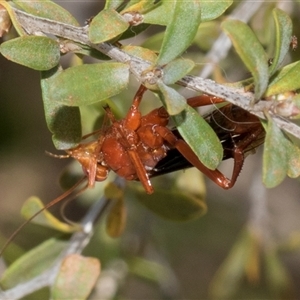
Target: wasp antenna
[48, 205]
[63, 207]
[57, 155]
[109, 113]
[98, 131]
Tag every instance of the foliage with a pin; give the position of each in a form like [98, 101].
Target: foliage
[69, 93]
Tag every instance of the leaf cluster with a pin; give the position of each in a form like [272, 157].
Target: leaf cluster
[68, 94]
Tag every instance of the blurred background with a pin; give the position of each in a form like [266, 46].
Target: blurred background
[172, 260]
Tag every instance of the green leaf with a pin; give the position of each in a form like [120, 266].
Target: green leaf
[278, 278]
[100, 29]
[87, 84]
[180, 32]
[160, 15]
[32, 263]
[149, 270]
[133, 31]
[192, 181]
[200, 137]
[47, 9]
[242, 256]
[140, 6]
[172, 204]
[275, 156]
[174, 102]
[294, 160]
[281, 156]
[211, 9]
[77, 278]
[112, 4]
[33, 204]
[176, 69]
[250, 51]
[11, 252]
[284, 27]
[116, 218]
[36, 52]
[207, 34]
[13, 18]
[154, 41]
[285, 80]
[141, 52]
[63, 121]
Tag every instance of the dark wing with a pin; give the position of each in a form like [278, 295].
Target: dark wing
[231, 130]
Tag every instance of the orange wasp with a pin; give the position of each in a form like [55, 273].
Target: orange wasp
[140, 147]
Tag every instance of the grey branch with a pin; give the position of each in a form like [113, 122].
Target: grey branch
[34, 25]
[76, 244]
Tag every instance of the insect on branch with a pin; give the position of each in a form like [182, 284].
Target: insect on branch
[34, 25]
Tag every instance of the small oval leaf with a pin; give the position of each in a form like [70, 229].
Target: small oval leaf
[281, 156]
[154, 41]
[141, 52]
[192, 181]
[284, 27]
[63, 121]
[274, 156]
[100, 31]
[200, 137]
[87, 84]
[33, 263]
[294, 160]
[250, 51]
[113, 191]
[172, 204]
[180, 32]
[12, 251]
[76, 278]
[33, 204]
[116, 219]
[133, 31]
[207, 34]
[174, 102]
[285, 80]
[243, 254]
[35, 52]
[211, 9]
[141, 6]
[278, 276]
[176, 69]
[47, 9]
[160, 14]
[112, 4]
[149, 270]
